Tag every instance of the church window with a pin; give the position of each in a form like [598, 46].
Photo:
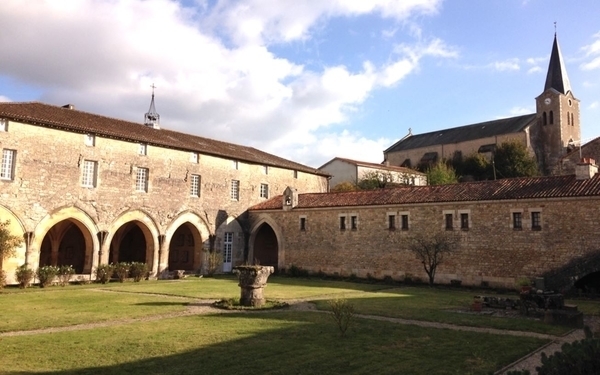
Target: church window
[536, 222]
[143, 149]
[89, 140]
[141, 180]
[264, 190]
[195, 185]
[544, 119]
[8, 164]
[517, 220]
[235, 190]
[568, 118]
[551, 118]
[89, 173]
[3, 125]
[572, 120]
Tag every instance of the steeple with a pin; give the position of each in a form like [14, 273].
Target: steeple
[152, 119]
[557, 74]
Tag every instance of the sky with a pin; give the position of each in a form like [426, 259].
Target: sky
[305, 80]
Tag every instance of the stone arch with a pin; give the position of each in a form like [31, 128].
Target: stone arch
[266, 241]
[184, 241]
[137, 229]
[17, 228]
[68, 233]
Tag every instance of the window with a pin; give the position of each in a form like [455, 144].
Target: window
[194, 157]
[536, 223]
[3, 125]
[449, 224]
[89, 172]
[264, 190]
[342, 222]
[391, 222]
[572, 120]
[551, 117]
[227, 247]
[295, 174]
[404, 222]
[143, 149]
[195, 185]
[235, 164]
[544, 119]
[568, 118]
[353, 222]
[517, 221]
[302, 224]
[141, 179]
[464, 221]
[89, 140]
[8, 164]
[265, 169]
[235, 190]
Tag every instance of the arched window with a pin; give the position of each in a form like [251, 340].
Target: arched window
[568, 118]
[551, 117]
[544, 121]
[572, 120]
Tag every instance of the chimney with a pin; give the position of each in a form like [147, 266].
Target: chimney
[586, 168]
[69, 106]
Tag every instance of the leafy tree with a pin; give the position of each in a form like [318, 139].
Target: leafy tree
[512, 159]
[431, 250]
[478, 166]
[374, 180]
[441, 174]
[8, 244]
[343, 186]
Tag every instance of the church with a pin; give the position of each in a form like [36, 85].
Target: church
[549, 134]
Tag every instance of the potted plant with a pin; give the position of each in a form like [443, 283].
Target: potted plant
[524, 284]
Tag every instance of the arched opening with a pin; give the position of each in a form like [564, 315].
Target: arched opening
[544, 119]
[589, 284]
[184, 248]
[65, 245]
[266, 248]
[551, 117]
[130, 244]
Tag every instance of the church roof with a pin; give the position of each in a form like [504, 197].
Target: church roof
[511, 188]
[557, 73]
[64, 118]
[463, 133]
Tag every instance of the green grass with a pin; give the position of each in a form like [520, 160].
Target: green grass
[267, 343]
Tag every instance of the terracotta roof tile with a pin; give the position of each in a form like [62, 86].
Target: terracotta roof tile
[512, 188]
[78, 121]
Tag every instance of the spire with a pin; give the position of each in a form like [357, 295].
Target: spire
[152, 119]
[557, 74]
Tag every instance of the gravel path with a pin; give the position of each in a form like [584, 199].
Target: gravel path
[202, 307]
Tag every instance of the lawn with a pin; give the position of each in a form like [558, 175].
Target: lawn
[272, 342]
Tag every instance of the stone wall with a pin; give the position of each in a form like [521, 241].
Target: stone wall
[490, 250]
[47, 188]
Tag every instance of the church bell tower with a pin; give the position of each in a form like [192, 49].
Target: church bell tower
[558, 122]
[152, 118]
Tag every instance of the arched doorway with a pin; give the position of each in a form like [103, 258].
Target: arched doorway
[589, 284]
[130, 244]
[184, 248]
[65, 245]
[266, 248]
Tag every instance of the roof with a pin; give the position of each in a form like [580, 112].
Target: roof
[510, 188]
[464, 133]
[384, 167]
[46, 115]
[557, 73]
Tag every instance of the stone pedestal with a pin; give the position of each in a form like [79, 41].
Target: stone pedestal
[252, 281]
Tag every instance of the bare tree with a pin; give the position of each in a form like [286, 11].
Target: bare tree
[432, 249]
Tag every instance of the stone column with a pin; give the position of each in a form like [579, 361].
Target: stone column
[252, 281]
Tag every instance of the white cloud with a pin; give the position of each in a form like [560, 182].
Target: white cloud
[594, 105]
[510, 64]
[219, 82]
[592, 51]
[4, 99]
[518, 111]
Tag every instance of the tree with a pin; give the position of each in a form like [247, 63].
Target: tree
[8, 244]
[512, 159]
[343, 186]
[478, 166]
[431, 250]
[441, 174]
[374, 180]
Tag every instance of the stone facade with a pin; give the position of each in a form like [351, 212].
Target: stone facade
[78, 198]
[346, 170]
[554, 231]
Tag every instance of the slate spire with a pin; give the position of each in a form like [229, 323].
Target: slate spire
[151, 118]
[557, 74]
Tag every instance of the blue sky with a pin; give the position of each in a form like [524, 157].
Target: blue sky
[304, 80]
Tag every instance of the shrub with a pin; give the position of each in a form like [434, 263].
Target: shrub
[121, 270]
[24, 276]
[138, 271]
[104, 272]
[46, 275]
[64, 274]
[295, 271]
[342, 313]
[576, 358]
[214, 262]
